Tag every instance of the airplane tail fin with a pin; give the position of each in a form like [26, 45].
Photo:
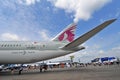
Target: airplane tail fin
[67, 35]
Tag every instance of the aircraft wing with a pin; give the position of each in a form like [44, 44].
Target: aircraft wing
[88, 35]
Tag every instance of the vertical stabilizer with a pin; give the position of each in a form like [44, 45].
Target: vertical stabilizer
[67, 35]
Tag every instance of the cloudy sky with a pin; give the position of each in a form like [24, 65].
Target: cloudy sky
[41, 20]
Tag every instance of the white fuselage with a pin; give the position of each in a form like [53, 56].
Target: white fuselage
[28, 52]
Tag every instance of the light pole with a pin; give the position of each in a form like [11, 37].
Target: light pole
[71, 58]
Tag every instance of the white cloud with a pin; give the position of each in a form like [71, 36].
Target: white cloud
[116, 48]
[114, 52]
[11, 37]
[28, 2]
[101, 52]
[44, 35]
[82, 9]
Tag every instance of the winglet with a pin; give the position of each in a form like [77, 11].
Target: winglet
[88, 35]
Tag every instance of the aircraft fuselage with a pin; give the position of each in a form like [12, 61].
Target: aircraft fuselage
[27, 52]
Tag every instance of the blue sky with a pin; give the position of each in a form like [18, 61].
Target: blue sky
[41, 20]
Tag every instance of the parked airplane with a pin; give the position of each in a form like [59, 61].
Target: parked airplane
[19, 52]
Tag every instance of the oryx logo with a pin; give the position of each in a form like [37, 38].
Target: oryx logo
[68, 34]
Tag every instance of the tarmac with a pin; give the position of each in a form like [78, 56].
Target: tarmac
[105, 72]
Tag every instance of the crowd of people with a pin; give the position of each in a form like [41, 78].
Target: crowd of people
[44, 67]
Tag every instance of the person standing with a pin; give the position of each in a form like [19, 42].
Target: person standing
[20, 70]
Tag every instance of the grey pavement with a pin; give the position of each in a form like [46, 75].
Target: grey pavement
[108, 72]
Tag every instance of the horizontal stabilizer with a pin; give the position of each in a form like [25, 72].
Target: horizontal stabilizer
[88, 35]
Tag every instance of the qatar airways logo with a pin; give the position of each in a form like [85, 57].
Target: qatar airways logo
[68, 34]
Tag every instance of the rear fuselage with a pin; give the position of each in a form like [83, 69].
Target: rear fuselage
[28, 52]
